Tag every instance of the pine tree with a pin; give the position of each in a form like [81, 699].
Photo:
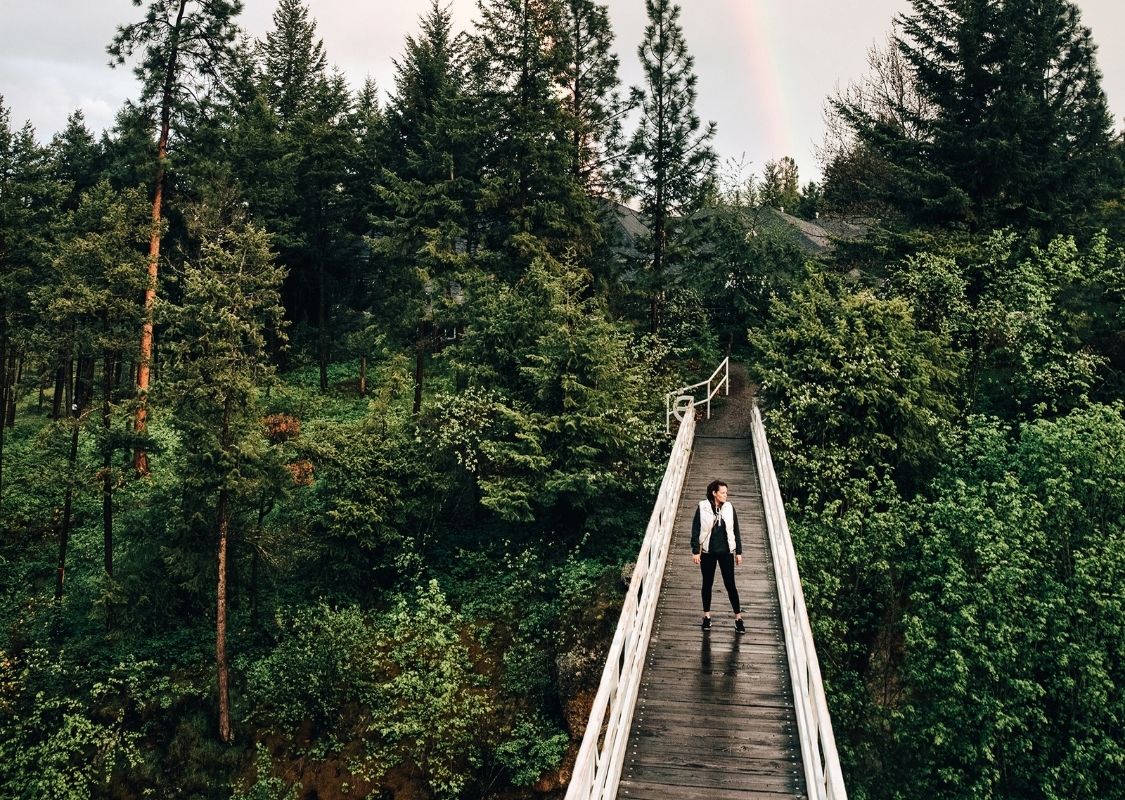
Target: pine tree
[672, 157]
[292, 60]
[1012, 127]
[76, 159]
[594, 101]
[429, 81]
[428, 185]
[310, 150]
[185, 45]
[531, 198]
[218, 360]
[1055, 125]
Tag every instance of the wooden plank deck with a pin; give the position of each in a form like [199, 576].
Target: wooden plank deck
[714, 716]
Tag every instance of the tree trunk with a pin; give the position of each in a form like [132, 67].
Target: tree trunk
[255, 560]
[221, 596]
[64, 531]
[221, 621]
[107, 466]
[419, 368]
[68, 388]
[657, 272]
[363, 376]
[57, 397]
[83, 380]
[13, 391]
[322, 333]
[577, 101]
[140, 457]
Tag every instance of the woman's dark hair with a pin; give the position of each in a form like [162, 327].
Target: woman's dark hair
[713, 487]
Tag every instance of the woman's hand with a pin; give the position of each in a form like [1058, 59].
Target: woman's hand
[695, 558]
[738, 559]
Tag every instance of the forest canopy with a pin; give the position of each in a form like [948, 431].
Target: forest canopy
[331, 416]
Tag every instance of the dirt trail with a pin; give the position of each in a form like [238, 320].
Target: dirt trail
[730, 416]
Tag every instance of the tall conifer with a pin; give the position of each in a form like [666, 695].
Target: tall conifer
[293, 149]
[185, 46]
[520, 57]
[429, 184]
[218, 360]
[673, 158]
[594, 102]
[1013, 127]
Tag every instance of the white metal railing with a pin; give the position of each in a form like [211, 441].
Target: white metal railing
[679, 400]
[597, 769]
[823, 778]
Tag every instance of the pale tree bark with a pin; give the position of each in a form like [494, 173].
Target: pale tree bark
[140, 456]
[81, 397]
[221, 597]
[107, 466]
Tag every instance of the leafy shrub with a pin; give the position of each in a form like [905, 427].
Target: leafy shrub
[534, 747]
[431, 708]
[266, 786]
[322, 662]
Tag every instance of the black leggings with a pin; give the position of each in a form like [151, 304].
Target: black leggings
[725, 561]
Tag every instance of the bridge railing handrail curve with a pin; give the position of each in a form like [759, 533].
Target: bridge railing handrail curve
[670, 400]
[823, 776]
[597, 768]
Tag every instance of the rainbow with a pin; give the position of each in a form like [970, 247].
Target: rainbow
[762, 81]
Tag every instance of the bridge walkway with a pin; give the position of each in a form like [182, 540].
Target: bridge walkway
[715, 717]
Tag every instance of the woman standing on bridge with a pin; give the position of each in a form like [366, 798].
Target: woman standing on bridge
[716, 541]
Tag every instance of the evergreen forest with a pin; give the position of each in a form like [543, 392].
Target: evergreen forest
[331, 417]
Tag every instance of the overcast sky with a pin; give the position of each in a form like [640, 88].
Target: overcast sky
[765, 67]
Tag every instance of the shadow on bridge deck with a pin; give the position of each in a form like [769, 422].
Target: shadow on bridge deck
[715, 718]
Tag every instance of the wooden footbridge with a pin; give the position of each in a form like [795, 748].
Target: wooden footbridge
[686, 713]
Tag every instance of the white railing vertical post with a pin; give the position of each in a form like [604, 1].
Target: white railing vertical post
[681, 399]
[823, 777]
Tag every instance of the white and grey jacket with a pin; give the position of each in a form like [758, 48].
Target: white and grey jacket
[705, 523]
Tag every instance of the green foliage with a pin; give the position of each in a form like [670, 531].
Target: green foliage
[266, 786]
[1020, 315]
[324, 660]
[431, 708]
[852, 384]
[536, 746]
[566, 425]
[229, 304]
[366, 531]
[1013, 631]
[68, 731]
